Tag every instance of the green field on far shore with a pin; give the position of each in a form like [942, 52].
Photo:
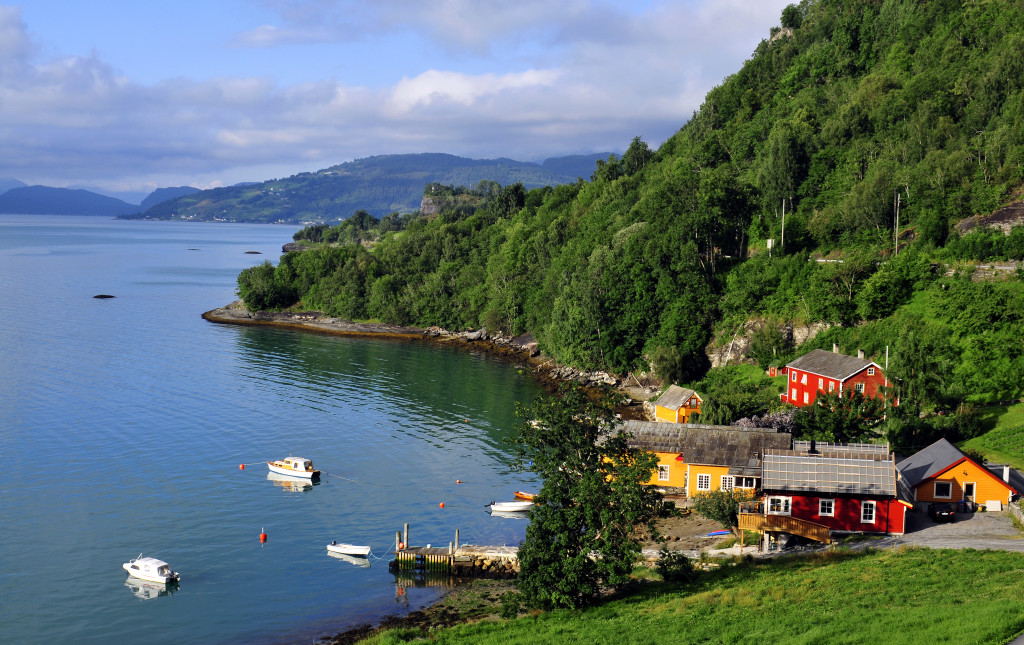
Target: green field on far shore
[902, 596]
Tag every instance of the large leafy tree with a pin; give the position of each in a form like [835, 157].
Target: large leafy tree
[583, 529]
[842, 418]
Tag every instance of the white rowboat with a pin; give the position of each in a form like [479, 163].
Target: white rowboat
[348, 549]
[511, 507]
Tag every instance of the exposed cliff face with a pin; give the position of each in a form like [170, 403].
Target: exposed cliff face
[737, 348]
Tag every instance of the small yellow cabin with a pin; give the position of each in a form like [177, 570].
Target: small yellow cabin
[676, 405]
[696, 458]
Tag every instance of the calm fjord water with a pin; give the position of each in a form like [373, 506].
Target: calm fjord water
[123, 422]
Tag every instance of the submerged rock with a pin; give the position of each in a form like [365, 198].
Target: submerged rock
[103, 296]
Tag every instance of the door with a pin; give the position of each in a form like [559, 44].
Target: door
[968, 491]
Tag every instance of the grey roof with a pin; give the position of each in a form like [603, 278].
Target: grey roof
[850, 450]
[829, 473]
[929, 461]
[675, 397]
[830, 364]
[738, 448]
[1016, 479]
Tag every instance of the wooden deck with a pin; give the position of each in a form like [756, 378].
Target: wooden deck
[752, 518]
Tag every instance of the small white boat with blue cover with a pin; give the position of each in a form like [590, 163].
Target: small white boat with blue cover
[150, 569]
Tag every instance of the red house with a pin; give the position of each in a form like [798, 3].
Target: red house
[821, 371]
[852, 488]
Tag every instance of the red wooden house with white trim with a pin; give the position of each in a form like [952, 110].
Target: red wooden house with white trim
[821, 371]
[848, 488]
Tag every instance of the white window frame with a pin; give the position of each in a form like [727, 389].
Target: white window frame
[703, 482]
[935, 490]
[748, 483]
[727, 482]
[821, 384]
[831, 504]
[871, 371]
[793, 374]
[831, 386]
[793, 396]
[868, 509]
[858, 387]
[805, 397]
[779, 505]
[803, 380]
[663, 473]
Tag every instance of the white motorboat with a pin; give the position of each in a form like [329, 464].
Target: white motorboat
[294, 467]
[150, 569]
[348, 549]
[511, 507]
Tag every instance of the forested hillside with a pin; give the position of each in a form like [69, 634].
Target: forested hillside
[849, 115]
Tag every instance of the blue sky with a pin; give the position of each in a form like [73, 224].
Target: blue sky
[131, 96]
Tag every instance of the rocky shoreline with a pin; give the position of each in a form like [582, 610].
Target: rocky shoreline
[520, 351]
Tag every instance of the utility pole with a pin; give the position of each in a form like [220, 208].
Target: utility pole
[896, 231]
[782, 242]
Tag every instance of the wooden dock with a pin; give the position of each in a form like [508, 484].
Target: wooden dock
[463, 559]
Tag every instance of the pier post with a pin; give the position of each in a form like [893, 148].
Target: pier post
[406, 535]
[398, 540]
[456, 539]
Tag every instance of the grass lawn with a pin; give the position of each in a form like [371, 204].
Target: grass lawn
[904, 596]
[1004, 443]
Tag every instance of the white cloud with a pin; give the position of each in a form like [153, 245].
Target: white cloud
[568, 77]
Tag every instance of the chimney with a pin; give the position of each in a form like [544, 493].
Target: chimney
[1006, 473]
[835, 348]
[860, 354]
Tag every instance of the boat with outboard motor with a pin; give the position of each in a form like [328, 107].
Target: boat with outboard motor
[294, 467]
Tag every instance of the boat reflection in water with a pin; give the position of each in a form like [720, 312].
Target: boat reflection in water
[294, 484]
[351, 559]
[145, 590]
[511, 515]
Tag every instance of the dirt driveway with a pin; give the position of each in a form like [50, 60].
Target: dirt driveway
[970, 531]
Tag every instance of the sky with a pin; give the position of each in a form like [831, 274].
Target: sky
[127, 96]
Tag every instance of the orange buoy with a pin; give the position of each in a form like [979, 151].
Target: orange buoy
[458, 481]
[442, 504]
[241, 466]
[401, 545]
[263, 536]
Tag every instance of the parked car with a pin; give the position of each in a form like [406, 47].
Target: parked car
[942, 512]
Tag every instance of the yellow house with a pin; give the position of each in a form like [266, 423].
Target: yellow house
[695, 458]
[676, 405]
[943, 473]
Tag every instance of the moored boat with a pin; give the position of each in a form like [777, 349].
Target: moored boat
[348, 549]
[511, 507]
[523, 495]
[294, 467]
[150, 569]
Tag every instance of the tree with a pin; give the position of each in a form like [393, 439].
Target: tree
[842, 418]
[583, 529]
[720, 505]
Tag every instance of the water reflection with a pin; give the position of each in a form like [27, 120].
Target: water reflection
[145, 590]
[293, 484]
[351, 559]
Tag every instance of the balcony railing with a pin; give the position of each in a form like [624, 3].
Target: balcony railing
[752, 518]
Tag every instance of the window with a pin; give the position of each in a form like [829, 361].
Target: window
[727, 482]
[871, 371]
[943, 490]
[803, 380]
[745, 482]
[858, 387]
[793, 396]
[793, 376]
[867, 512]
[827, 507]
[703, 482]
[831, 386]
[821, 383]
[805, 397]
[779, 505]
[662, 473]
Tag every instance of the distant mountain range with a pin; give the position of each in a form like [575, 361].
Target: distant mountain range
[379, 185]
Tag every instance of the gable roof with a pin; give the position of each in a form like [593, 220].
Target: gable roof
[930, 461]
[675, 397]
[833, 472]
[830, 364]
[738, 448]
[1016, 480]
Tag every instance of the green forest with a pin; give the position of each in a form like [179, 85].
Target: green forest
[826, 181]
